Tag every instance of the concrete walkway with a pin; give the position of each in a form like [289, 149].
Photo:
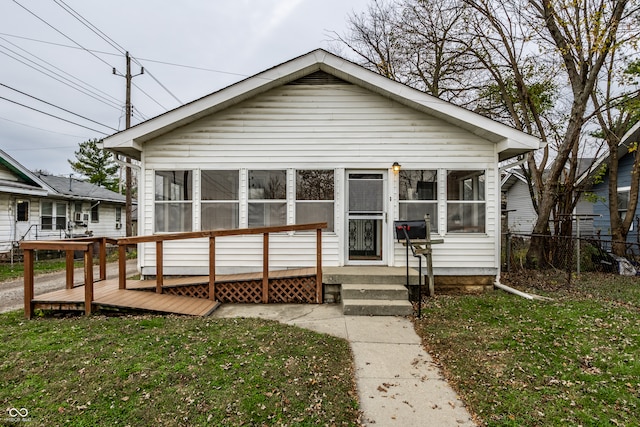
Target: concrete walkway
[398, 383]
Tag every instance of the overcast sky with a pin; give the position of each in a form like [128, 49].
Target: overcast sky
[213, 44]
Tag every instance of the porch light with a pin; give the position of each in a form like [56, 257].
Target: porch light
[396, 167]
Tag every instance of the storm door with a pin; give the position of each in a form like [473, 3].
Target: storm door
[365, 216]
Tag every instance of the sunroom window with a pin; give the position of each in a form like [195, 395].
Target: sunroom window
[315, 197]
[418, 194]
[623, 203]
[466, 201]
[173, 205]
[267, 198]
[219, 199]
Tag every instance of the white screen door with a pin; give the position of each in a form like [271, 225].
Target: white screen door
[365, 216]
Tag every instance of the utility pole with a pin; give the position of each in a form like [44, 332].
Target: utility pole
[128, 112]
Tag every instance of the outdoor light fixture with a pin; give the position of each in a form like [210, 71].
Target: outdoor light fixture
[396, 167]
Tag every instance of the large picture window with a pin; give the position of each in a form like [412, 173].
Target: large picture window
[315, 197]
[466, 201]
[173, 201]
[267, 198]
[53, 215]
[219, 199]
[418, 194]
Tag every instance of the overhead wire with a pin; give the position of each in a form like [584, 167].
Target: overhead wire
[56, 106]
[52, 115]
[106, 96]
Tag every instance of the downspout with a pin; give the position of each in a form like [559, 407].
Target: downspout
[506, 288]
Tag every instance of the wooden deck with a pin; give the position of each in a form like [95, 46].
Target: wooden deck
[137, 296]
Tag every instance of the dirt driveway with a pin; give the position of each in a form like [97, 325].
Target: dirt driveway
[12, 291]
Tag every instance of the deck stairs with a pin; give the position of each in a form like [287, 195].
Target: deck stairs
[372, 291]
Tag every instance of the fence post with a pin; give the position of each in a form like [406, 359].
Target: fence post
[508, 250]
[265, 268]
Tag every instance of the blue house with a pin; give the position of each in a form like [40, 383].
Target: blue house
[600, 190]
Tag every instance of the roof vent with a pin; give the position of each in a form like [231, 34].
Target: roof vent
[319, 78]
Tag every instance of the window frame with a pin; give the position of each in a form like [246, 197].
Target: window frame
[22, 214]
[204, 202]
[434, 202]
[257, 200]
[477, 202]
[95, 212]
[173, 198]
[315, 201]
[58, 222]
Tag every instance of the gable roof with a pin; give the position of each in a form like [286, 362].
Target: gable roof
[72, 188]
[510, 142]
[26, 182]
[632, 135]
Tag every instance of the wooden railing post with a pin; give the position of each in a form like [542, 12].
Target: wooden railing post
[319, 266]
[265, 268]
[103, 258]
[88, 278]
[28, 283]
[122, 266]
[159, 272]
[212, 268]
[69, 266]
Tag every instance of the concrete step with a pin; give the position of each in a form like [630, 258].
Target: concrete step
[363, 307]
[374, 292]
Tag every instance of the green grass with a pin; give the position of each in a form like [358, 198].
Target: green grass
[572, 361]
[152, 370]
[15, 271]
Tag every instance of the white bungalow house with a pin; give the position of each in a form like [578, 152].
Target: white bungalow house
[314, 139]
[35, 206]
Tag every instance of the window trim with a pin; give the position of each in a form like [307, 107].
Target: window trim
[477, 202]
[204, 202]
[161, 202]
[323, 201]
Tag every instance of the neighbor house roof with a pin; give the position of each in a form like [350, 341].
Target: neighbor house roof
[632, 136]
[27, 182]
[72, 188]
[510, 142]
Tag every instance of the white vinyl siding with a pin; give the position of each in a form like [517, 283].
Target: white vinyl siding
[333, 127]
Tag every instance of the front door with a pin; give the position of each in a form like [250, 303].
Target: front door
[366, 216]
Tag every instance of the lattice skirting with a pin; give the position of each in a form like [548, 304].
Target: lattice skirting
[282, 291]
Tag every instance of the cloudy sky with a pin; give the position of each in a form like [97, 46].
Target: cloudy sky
[48, 52]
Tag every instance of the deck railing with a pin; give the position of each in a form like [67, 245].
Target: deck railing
[159, 240]
[84, 245]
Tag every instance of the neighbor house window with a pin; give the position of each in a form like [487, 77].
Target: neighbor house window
[418, 194]
[466, 201]
[623, 203]
[315, 197]
[220, 199]
[53, 215]
[95, 212]
[173, 205]
[22, 210]
[118, 217]
[267, 198]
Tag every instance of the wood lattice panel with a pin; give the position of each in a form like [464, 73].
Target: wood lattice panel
[239, 292]
[293, 290]
[193, 291]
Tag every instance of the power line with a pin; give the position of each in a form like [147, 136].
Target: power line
[113, 99]
[63, 34]
[42, 129]
[60, 79]
[56, 106]
[52, 115]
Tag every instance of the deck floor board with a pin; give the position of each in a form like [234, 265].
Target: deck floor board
[107, 293]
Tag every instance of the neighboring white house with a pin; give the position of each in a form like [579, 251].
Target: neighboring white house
[314, 139]
[44, 207]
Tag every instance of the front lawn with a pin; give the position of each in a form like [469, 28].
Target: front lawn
[571, 361]
[170, 371]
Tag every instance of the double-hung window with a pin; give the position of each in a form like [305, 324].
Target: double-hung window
[219, 195]
[315, 197]
[267, 198]
[466, 209]
[53, 215]
[418, 196]
[623, 203]
[173, 201]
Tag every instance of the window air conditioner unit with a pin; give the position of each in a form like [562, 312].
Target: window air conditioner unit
[118, 225]
[78, 217]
